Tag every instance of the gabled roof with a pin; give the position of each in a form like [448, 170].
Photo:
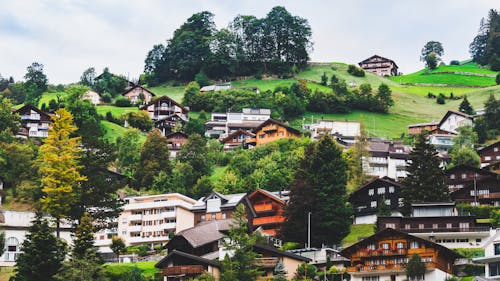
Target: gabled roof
[450, 112]
[366, 185]
[141, 87]
[489, 146]
[205, 232]
[377, 56]
[227, 201]
[163, 262]
[279, 253]
[474, 169]
[236, 133]
[349, 251]
[167, 98]
[269, 195]
[433, 123]
[276, 122]
[177, 134]
[181, 117]
[32, 107]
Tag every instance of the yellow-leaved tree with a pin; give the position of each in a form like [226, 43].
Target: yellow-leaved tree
[60, 167]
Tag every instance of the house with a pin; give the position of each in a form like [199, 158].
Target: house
[15, 225]
[216, 206]
[139, 94]
[237, 139]
[346, 131]
[171, 123]
[385, 255]
[473, 186]
[152, 219]
[34, 122]
[442, 142]
[180, 266]
[216, 87]
[167, 114]
[271, 130]
[441, 223]
[222, 124]
[93, 97]
[175, 142]
[491, 259]
[415, 129]
[489, 154]
[452, 120]
[367, 199]
[387, 159]
[269, 208]
[320, 256]
[380, 66]
[270, 257]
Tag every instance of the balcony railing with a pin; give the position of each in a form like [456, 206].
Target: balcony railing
[270, 128]
[183, 269]
[263, 207]
[266, 262]
[385, 267]
[444, 229]
[268, 220]
[383, 252]
[489, 196]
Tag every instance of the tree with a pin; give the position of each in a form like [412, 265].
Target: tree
[497, 78]
[466, 107]
[319, 187]
[431, 60]
[305, 272]
[485, 48]
[465, 156]
[83, 237]
[478, 47]
[324, 79]
[384, 97]
[425, 178]
[432, 47]
[36, 83]
[42, 253]
[415, 269]
[129, 146]
[140, 120]
[8, 121]
[135, 274]
[383, 209]
[60, 167]
[154, 159]
[117, 246]
[356, 174]
[241, 264]
[2, 243]
[88, 77]
[492, 113]
[463, 150]
[195, 154]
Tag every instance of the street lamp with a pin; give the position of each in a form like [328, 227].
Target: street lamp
[309, 230]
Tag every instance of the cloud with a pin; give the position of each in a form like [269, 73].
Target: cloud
[69, 36]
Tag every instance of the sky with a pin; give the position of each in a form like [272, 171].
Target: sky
[68, 36]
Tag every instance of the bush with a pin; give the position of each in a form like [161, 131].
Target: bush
[106, 98]
[497, 79]
[324, 79]
[109, 117]
[355, 71]
[123, 102]
[140, 120]
[258, 75]
[441, 99]
[431, 95]
[454, 62]
[202, 79]
[482, 212]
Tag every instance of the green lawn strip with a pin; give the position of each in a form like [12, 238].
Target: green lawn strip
[358, 231]
[424, 90]
[115, 110]
[174, 92]
[263, 84]
[147, 268]
[448, 79]
[217, 172]
[47, 97]
[470, 67]
[113, 131]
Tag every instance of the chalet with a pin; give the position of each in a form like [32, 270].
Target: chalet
[237, 139]
[416, 129]
[441, 223]
[491, 259]
[380, 66]
[175, 142]
[216, 206]
[139, 94]
[93, 97]
[34, 122]
[385, 255]
[320, 256]
[216, 87]
[180, 266]
[222, 124]
[346, 131]
[489, 154]
[167, 114]
[387, 159]
[269, 208]
[367, 199]
[170, 123]
[272, 130]
[473, 186]
[452, 120]
[270, 257]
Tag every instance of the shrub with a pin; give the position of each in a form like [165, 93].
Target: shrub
[324, 79]
[140, 120]
[123, 102]
[431, 95]
[106, 97]
[202, 79]
[355, 71]
[454, 62]
[258, 75]
[498, 78]
[441, 99]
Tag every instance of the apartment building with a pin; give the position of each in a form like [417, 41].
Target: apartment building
[345, 131]
[222, 124]
[387, 159]
[153, 219]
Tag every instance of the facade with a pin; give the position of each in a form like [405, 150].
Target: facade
[270, 257]
[237, 139]
[138, 94]
[222, 124]
[319, 257]
[272, 130]
[366, 199]
[440, 223]
[15, 225]
[175, 142]
[180, 266]
[415, 129]
[473, 186]
[346, 131]
[167, 114]
[93, 97]
[380, 66]
[216, 87]
[491, 259]
[489, 154]
[269, 208]
[385, 255]
[452, 120]
[34, 122]
[387, 159]
[216, 206]
[442, 142]
[151, 219]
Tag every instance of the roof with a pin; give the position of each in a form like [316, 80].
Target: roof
[433, 123]
[366, 185]
[177, 134]
[163, 98]
[467, 167]
[216, 87]
[276, 196]
[227, 201]
[430, 204]
[269, 248]
[181, 116]
[378, 146]
[205, 232]
[347, 252]
[377, 56]
[270, 120]
[163, 262]
[489, 146]
[135, 87]
[32, 107]
[236, 133]
[450, 112]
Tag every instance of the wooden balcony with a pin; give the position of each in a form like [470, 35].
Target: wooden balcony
[360, 268]
[263, 207]
[383, 252]
[266, 262]
[183, 269]
[268, 220]
[489, 196]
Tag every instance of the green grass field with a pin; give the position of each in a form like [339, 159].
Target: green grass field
[174, 92]
[6, 273]
[148, 268]
[113, 131]
[115, 110]
[358, 231]
[47, 97]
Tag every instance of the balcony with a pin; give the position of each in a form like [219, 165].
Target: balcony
[270, 128]
[144, 240]
[169, 214]
[183, 270]
[383, 252]
[268, 220]
[136, 217]
[400, 267]
[266, 262]
[444, 229]
[134, 228]
[169, 226]
[263, 207]
[489, 196]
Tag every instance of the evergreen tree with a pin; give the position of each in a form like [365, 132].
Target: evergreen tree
[153, 160]
[83, 237]
[87, 268]
[466, 107]
[135, 275]
[60, 167]
[42, 254]
[425, 178]
[8, 121]
[117, 246]
[319, 187]
[194, 153]
[2, 243]
[415, 269]
[492, 113]
[129, 146]
[241, 265]
[358, 152]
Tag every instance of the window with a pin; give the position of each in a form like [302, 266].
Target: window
[370, 278]
[223, 216]
[280, 134]
[388, 202]
[497, 248]
[373, 204]
[400, 245]
[421, 226]
[414, 245]
[400, 202]
[385, 246]
[370, 192]
[449, 225]
[464, 225]
[261, 136]
[434, 226]
[203, 218]
[407, 226]
[452, 176]
[495, 149]
[390, 225]
[464, 175]
[391, 189]
[487, 158]
[494, 268]
[381, 190]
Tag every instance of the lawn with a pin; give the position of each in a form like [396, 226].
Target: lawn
[47, 97]
[6, 273]
[469, 67]
[115, 110]
[263, 84]
[358, 231]
[148, 268]
[113, 131]
[174, 92]
[422, 77]
[217, 173]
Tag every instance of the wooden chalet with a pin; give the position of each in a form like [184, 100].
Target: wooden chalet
[168, 124]
[270, 257]
[138, 94]
[34, 122]
[380, 66]
[269, 208]
[452, 120]
[385, 255]
[216, 206]
[271, 130]
[489, 154]
[167, 114]
[473, 186]
[175, 142]
[367, 199]
[415, 129]
[180, 266]
[237, 139]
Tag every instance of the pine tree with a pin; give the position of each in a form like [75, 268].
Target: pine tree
[153, 160]
[415, 269]
[319, 187]
[84, 237]
[492, 113]
[466, 107]
[42, 255]
[60, 167]
[425, 178]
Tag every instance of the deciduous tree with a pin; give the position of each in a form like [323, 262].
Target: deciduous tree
[154, 159]
[129, 147]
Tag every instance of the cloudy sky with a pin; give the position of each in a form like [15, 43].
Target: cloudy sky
[68, 36]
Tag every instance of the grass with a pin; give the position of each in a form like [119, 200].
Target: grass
[264, 84]
[115, 110]
[113, 131]
[469, 67]
[217, 173]
[174, 92]
[6, 273]
[357, 231]
[467, 278]
[47, 97]
[147, 268]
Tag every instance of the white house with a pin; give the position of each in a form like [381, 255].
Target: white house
[93, 97]
[452, 120]
[491, 259]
